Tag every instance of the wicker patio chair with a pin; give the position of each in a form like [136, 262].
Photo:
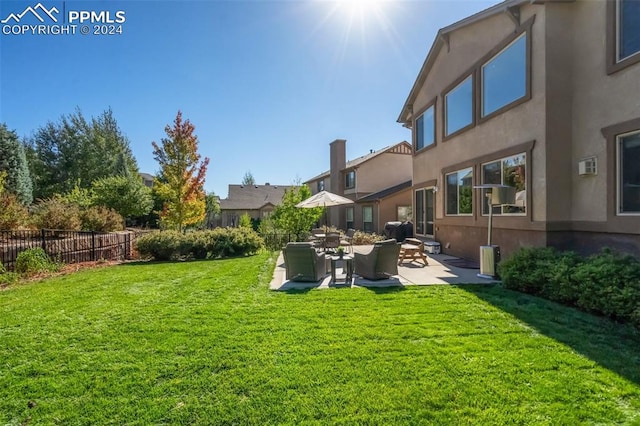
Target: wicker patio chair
[303, 263]
[380, 263]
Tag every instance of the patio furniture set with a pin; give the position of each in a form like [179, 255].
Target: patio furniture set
[313, 260]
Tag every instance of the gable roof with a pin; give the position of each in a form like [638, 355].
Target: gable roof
[400, 148]
[376, 196]
[511, 7]
[252, 197]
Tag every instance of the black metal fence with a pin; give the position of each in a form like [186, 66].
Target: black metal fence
[67, 246]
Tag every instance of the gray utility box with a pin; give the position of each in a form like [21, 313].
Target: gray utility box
[489, 258]
[432, 247]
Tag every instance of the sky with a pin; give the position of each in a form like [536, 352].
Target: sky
[267, 84]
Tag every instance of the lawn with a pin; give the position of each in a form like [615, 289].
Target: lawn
[208, 343]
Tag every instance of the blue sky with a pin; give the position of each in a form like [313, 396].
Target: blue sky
[268, 84]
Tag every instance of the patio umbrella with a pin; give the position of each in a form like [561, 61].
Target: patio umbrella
[324, 199]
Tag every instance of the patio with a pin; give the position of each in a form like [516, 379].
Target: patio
[438, 272]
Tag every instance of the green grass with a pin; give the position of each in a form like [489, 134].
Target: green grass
[207, 343]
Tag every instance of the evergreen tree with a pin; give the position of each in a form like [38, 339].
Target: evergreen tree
[13, 161]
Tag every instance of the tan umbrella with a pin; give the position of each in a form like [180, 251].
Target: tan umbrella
[324, 199]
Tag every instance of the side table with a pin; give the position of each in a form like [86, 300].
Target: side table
[347, 269]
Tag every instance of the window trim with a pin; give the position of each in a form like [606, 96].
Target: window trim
[432, 104]
[613, 35]
[497, 51]
[617, 175]
[526, 186]
[346, 177]
[457, 83]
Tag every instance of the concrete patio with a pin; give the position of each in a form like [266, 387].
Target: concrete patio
[437, 272]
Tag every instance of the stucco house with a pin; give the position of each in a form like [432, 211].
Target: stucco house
[541, 95]
[379, 183]
[258, 201]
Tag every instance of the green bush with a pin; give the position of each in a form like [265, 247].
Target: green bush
[101, 219]
[220, 242]
[34, 261]
[13, 215]
[55, 213]
[607, 283]
[363, 238]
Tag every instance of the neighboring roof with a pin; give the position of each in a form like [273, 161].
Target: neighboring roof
[376, 196]
[252, 197]
[442, 39]
[358, 161]
[147, 176]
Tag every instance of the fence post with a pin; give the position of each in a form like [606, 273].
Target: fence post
[44, 241]
[93, 245]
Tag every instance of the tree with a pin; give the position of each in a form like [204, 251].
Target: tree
[75, 151]
[127, 196]
[212, 209]
[13, 161]
[248, 179]
[294, 220]
[182, 175]
[13, 214]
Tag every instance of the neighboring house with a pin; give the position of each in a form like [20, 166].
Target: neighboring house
[379, 183]
[258, 201]
[147, 179]
[540, 95]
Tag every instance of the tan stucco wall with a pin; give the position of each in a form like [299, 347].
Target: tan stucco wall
[388, 208]
[382, 172]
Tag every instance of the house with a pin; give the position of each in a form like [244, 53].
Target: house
[258, 201]
[379, 183]
[147, 179]
[543, 96]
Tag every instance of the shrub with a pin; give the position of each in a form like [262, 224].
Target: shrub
[34, 261]
[13, 215]
[364, 238]
[245, 221]
[161, 245]
[55, 213]
[225, 242]
[101, 219]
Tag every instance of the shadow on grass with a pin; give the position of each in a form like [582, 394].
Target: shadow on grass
[383, 289]
[612, 345]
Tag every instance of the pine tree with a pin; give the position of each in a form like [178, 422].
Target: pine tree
[181, 180]
[14, 162]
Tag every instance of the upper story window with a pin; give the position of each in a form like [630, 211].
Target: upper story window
[321, 185]
[629, 173]
[628, 25]
[426, 128]
[509, 171]
[504, 77]
[350, 180]
[459, 192]
[458, 107]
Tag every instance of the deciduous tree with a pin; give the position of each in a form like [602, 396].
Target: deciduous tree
[182, 175]
[294, 220]
[248, 179]
[127, 196]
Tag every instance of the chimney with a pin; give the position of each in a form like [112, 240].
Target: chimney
[337, 161]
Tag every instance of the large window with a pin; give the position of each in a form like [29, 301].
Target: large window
[426, 129]
[321, 185]
[504, 77]
[629, 173]
[350, 180]
[628, 25]
[367, 218]
[458, 106]
[349, 212]
[459, 192]
[509, 171]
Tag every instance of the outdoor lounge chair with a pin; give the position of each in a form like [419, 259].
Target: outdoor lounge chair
[303, 263]
[347, 240]
[380, 263]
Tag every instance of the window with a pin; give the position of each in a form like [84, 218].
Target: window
[404, 213]
[509, 171]
[629, 173]
[424, 211]
[425, 129]
[367, 218]
[459, 192]
[458, 105]
[504, 77]
[350, 180]
[320, 185]
[628, 37]
[349, 212]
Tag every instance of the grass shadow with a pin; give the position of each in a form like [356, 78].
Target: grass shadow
[612, 345]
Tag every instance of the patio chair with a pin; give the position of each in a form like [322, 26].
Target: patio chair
[347, 240]
[303, 263]
[332, 241]
[380, 262]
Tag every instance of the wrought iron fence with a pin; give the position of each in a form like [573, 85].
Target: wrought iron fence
[67, 246]
[275, 241]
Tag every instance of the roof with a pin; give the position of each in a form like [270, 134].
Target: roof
[363, 159]
[442, 39]
[252, 197]
[376, 196]
[146, 176]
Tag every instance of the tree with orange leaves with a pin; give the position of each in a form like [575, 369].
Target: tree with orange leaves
[181, 180]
